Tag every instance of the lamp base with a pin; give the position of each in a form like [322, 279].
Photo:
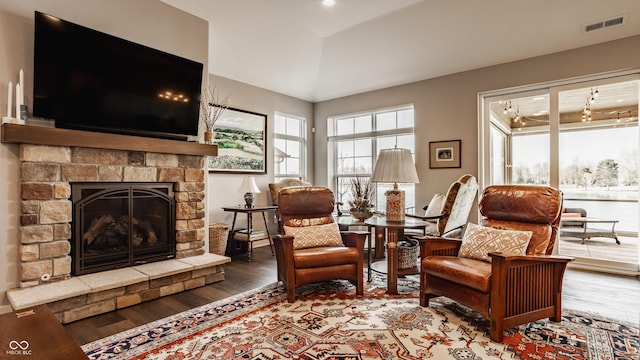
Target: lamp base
[395, 205]
[248, 200]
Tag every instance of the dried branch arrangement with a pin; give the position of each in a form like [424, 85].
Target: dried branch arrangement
[211, 106]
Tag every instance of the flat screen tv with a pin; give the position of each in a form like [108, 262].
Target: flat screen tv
[88, 80]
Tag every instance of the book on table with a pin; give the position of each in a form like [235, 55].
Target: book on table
[245, 235]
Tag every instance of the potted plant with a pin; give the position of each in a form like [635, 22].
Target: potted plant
[361, 205]
[211, 107]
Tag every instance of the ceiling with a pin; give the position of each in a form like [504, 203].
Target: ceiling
[302, 49]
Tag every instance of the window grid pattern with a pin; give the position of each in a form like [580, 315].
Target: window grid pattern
[289, 146]
[357, 139]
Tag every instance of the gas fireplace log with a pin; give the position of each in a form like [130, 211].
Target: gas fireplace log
[97, 224]
[105, 230]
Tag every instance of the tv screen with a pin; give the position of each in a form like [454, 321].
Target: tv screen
[85, 79]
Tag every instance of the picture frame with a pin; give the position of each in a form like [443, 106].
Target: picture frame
[241, 139]
[444, 154]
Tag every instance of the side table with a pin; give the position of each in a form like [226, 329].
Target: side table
[250, 237]
[394, 233]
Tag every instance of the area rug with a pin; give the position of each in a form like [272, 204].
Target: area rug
[328, 321]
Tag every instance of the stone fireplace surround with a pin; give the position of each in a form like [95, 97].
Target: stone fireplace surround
[47, 169]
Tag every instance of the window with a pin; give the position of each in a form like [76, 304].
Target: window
[357, 139]
[559, 134]
[289, 150]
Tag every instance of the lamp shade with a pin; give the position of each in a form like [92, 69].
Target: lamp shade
[395, 166]
[248, 185]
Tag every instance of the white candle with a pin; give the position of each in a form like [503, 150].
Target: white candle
[10, 98]
[18, 100]
[21, 78]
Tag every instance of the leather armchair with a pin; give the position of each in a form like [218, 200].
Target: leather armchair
[511, 289]
[301, 207]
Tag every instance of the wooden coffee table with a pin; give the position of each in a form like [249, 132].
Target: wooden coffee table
[36, 334]
[587, 230]
[394, 233]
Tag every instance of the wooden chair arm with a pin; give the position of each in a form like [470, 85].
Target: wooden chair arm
[283, 245]
[539, 258]
[432, 246]
[354, 239]
[525, 288]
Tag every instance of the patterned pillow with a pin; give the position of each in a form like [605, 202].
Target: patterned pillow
[478, 241]
[314, 236]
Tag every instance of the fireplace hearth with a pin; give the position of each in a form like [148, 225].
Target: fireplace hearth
[121, 224]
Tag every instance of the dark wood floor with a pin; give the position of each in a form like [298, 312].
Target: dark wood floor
[613, 296]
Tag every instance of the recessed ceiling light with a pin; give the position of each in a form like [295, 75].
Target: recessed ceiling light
[328, 2]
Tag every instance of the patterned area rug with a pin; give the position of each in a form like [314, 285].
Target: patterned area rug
[328, 322]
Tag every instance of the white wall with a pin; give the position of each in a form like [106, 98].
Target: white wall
[169, 29]
[446, 108]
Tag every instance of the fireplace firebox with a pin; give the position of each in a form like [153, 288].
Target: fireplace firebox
[118, 225]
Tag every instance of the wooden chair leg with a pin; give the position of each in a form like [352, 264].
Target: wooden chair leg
[424, 300]
[496, 329]
[291, 294]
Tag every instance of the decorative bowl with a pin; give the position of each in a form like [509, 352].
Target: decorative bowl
[361, 215]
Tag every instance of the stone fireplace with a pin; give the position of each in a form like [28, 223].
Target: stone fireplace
[53, 161]
[47, 173]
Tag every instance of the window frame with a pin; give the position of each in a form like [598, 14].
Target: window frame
[301, 138]
[336, 177]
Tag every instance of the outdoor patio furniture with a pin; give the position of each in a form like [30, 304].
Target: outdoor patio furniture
[586, 231]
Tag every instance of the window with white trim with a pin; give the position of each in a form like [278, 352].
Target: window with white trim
[356, 140]
[289, 147]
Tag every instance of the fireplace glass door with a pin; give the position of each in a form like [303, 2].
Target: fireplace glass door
[121, 224]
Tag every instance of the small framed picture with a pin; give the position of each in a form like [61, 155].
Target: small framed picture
[444, 154]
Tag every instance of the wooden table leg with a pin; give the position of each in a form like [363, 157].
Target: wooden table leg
[249, 235]
[380, 235]
[266, 227]
[392, 260]
[229, 250]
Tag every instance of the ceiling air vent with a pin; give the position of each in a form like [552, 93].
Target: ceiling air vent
[616, 21]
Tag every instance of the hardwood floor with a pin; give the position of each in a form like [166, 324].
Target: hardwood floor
[611, 295]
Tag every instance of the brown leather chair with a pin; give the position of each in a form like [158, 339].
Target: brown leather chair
[274, 188]
[511, 289]
[302, 208]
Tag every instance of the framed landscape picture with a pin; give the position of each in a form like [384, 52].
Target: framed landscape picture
[444, 154]
[241, 140]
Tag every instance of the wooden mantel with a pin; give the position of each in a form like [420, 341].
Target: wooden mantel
[42, 135]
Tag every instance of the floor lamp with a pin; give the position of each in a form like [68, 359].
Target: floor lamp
[395, 166]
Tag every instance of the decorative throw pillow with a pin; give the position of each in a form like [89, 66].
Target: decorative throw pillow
[478, 241]
[314, 236]
[435, 206]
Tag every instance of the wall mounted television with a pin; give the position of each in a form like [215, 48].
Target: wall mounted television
[88, 80]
